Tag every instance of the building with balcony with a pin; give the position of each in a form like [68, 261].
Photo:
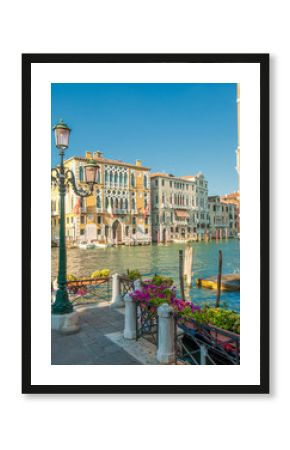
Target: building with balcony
[222, 218]
[179, 208]
[118, 211]
[234, 199]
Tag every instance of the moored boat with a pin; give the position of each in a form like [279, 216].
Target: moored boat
[86, 245]
[102, 245]
[229, 282]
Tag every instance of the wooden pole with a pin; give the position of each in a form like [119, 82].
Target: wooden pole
[219, 279]
[188, 265]
[181, 271]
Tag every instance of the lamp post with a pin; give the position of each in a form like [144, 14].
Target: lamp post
[62, 178]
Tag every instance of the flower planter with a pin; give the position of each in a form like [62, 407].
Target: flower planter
[190, 324]
[223, 336]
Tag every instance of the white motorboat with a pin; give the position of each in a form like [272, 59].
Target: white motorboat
[86, 245]
[102, 245]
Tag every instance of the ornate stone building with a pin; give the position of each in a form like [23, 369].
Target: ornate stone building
[118, 212]
[234, 200]
[179, 207]
[222, 218]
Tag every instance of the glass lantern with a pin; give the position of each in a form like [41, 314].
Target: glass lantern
[91, 172]
[61, 132]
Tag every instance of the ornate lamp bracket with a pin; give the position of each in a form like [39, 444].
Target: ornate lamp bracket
[70, 178]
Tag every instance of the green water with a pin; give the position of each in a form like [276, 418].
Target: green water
[161, 259]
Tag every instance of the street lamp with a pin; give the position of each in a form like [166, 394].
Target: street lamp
[62, 178]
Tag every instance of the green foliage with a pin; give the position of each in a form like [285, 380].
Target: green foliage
[133, 274]
[187, 313]
[159, 280]
[219, 317]
[157, 301]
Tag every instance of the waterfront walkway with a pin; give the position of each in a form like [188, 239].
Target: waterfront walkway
[100, 341]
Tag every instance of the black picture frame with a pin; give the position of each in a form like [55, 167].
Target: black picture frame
[27, 61]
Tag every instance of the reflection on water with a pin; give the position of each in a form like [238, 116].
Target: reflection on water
[162, 259]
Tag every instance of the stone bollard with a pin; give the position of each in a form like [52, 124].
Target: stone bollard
[166, 335]
[137, 285]
[130, 318]
[116, 297]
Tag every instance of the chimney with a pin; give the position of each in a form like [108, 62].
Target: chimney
[98, 154]
[138, 162]
[88, 155]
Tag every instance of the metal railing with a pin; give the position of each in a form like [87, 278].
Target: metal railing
[146, 322]
[85, 291]
[205, 344]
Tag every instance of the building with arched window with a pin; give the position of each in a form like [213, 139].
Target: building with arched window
[118, 212]
[179, 207]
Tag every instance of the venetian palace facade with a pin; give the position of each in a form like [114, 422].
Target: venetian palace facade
[118, 212]
[222, 218]
[132, 206]
[179, 207]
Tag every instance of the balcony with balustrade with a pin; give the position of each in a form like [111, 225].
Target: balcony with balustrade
[120, 211]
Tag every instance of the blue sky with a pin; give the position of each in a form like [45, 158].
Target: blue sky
[176, 128]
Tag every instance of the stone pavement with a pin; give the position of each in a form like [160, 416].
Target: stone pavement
[91, 345]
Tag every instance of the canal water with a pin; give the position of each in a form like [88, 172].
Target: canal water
[161, 259]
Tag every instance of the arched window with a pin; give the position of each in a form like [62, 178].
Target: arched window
[121, 203]
[106, 176]
[145, 181]
[81, 174]
[116, 177]
[133, 203]
[120, 178]
[132, 180]
[125, 178]
[98, 201]
[111, 177]
[116, 203]
[126, 203]
[107, 202]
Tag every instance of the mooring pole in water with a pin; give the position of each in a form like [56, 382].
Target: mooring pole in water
[181, 274]
[219, 279]
[188, 265]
